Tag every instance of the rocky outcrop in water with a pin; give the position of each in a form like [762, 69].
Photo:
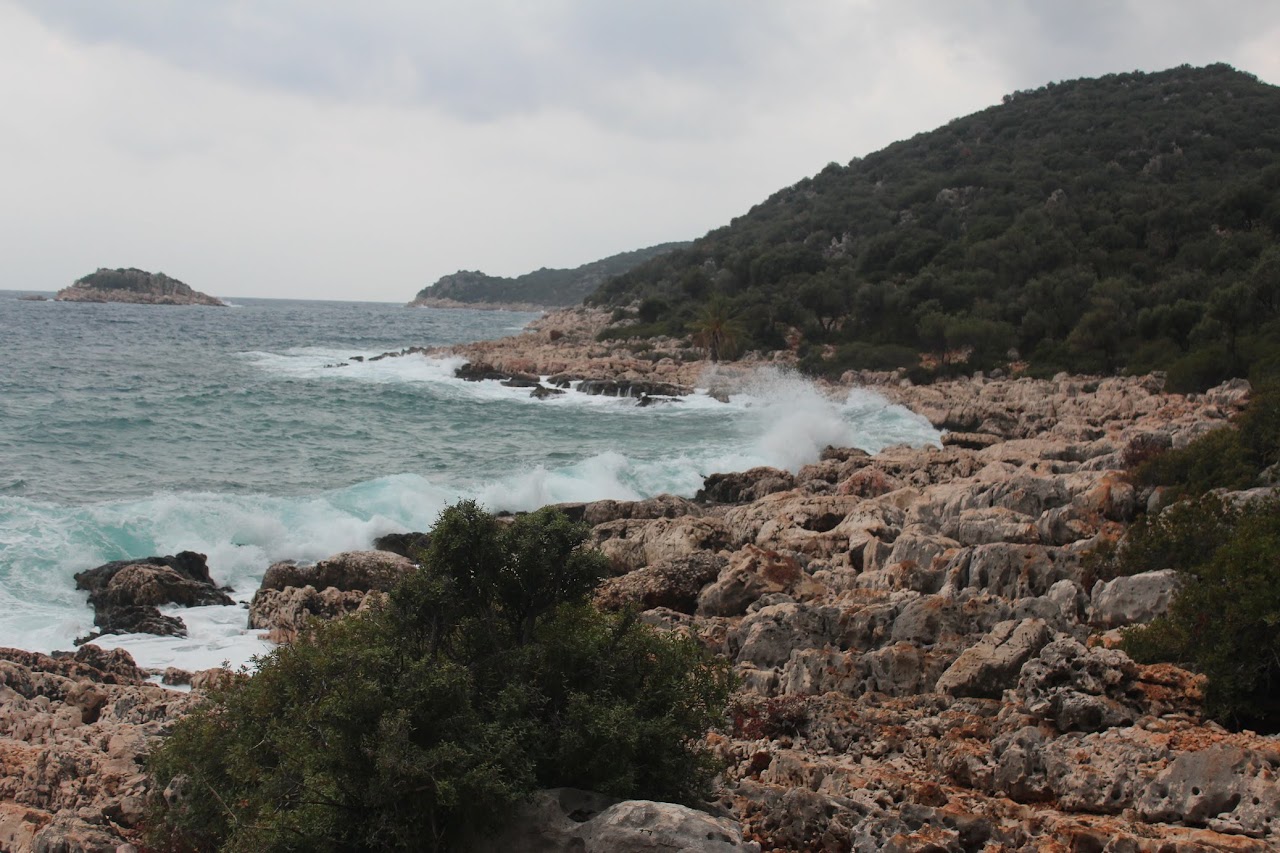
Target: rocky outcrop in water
[125, 594]
[136, 286]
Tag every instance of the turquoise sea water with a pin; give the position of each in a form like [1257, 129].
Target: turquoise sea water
[131, 430]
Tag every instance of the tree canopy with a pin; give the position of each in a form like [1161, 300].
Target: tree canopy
[485, 675]
[1127, 222]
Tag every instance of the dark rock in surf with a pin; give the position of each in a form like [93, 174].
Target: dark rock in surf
[743, 486]
[404, 544]
[479, 371]
[631, 388]
[125, 594]
[542, 392]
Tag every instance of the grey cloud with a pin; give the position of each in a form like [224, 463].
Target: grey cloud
[481, 61]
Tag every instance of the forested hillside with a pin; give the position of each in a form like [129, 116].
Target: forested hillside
[550, 287]
[1122, 223]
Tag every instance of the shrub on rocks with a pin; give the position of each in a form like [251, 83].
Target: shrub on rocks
[484, 676]
[1222, 621]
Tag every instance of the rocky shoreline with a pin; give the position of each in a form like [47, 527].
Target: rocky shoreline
[926, 655]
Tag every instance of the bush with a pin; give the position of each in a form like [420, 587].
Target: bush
[1224, 458]
[1223, 620]
[485, 675]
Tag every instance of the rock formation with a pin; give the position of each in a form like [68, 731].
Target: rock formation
[133, 285]
[124, 594]
[291, 594]
[74, 734]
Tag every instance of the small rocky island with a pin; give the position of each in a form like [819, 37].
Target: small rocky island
[134, 285]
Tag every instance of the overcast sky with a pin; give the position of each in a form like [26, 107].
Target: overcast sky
[360, 150]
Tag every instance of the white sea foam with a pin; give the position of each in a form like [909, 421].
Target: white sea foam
[776, 418]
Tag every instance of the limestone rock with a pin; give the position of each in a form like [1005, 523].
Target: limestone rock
[1133, 599]
[744, 486]
[673, 583]
[350, 570]
[565, 820]
[1223, 787]
[987, 669]
[750, 573]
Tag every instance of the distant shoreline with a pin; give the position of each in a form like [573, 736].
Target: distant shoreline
[484, 306]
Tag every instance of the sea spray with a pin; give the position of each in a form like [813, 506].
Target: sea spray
[243, 445]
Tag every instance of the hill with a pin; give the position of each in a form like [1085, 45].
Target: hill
[1123, 223]
[544, 287]
[133, 285]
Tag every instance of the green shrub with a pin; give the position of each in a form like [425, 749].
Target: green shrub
[1225, 458]
[1225, 618]
[485, 675]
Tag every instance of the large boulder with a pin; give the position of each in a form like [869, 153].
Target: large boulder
[988, 668]
[744, 486]
[350, 570]
[125, 594]
[291, 593]
[1223, 787]
[1132, 599]
[565, 820]
[671, 583]
[751, 573]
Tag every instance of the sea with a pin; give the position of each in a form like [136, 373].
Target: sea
[249, 434]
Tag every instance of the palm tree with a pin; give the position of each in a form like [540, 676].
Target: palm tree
[715, 329]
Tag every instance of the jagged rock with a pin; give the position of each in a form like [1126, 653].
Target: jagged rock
[1101, 773]
[1019, 766]
[988, 668]
[631, 388]
[672, 583]
[1079, 689]
[542, 392]
[631, 544]
[73, 742]
[350, 570]
[601, 512]
[1225, 788]
[479, 371]
[744, 486]
[1133, 599]
[767, 637]
[283, 613]
[124, 593]
[749, 574]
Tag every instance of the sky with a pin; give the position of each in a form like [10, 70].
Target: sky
[341, 150]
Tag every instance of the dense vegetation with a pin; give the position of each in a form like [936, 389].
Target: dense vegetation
[1124, 223]
[487, 674]
[133, 279]
[550, 287]
[1224, 618]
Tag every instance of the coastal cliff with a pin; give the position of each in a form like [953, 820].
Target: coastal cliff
[135, 286]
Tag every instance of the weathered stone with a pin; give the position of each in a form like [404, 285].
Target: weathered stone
[672, 583]
[744, 486]
[1223, 787]
[350, 570]
[751, 573]
[988, 668]
[1132, 599]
